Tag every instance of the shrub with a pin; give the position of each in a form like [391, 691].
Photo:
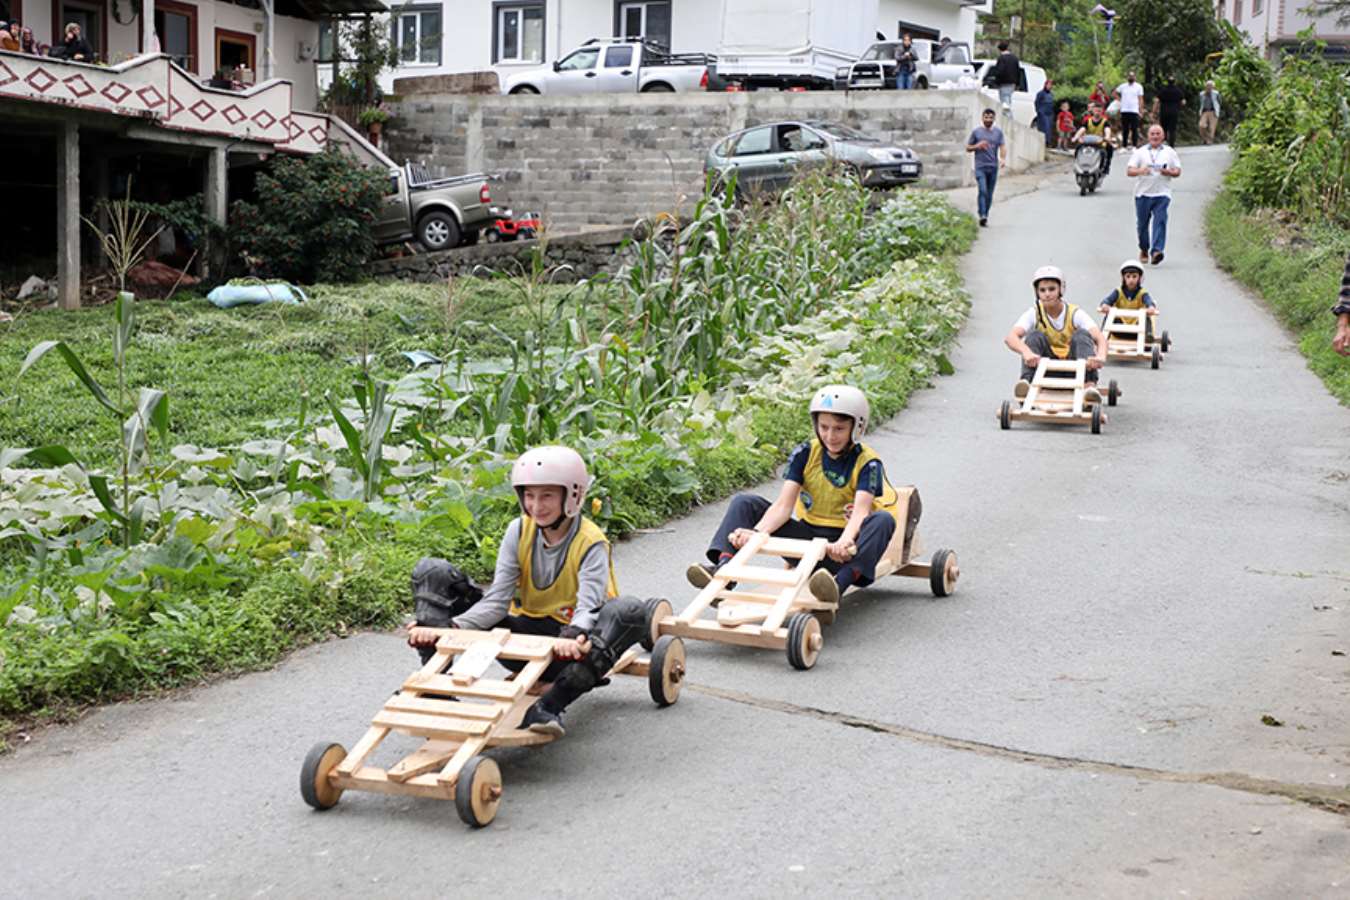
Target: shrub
[312, 220]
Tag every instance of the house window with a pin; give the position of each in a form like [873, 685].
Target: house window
[1237, 12]
[91, 18]
[648, 19]
[518, 32]
[176, 28]
[1257, 6]
[235, 50]
[327, 48]
[417, 36]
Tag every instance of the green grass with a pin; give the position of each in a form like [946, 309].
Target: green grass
[1296, 268]
[231, 373]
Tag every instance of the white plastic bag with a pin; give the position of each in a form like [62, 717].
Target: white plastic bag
[1113, 108]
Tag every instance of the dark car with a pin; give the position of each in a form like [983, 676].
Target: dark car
[766, 157]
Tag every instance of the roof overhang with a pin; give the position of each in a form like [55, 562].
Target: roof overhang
[324, 9]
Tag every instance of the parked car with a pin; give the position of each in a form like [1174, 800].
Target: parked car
[615, 65]
[439, 212]
[936, 64]
[765, 158]
[769, 44]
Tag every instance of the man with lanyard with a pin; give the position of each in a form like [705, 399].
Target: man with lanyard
[1155, 165]
[1098, 125]
[1131, 95]
[1052, 327]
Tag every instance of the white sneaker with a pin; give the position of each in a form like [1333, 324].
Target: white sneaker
[1021, 389]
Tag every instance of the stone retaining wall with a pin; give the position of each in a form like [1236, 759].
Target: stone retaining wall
[613, 158]
[588, 253]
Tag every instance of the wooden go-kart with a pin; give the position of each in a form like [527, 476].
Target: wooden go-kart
[1060, 395]
[777, 611]
[461, 713]
[1126, 333]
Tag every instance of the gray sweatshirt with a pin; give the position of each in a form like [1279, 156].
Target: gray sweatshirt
[545, 564]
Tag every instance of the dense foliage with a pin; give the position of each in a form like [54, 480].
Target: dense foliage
[312, 219]
[681, 381]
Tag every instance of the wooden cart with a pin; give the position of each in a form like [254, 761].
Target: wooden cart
[772, 607]
[461, 713]
[1060, 395]
[1126, 333]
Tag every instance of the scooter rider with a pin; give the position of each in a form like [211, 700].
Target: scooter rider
[1097, 124]
[1052, 327]
[554, 577]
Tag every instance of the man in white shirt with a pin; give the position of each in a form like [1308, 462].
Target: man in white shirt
[1054, 328]
[1131, 95]
[1155, 165]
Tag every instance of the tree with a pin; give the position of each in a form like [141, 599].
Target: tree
[1322, 8]
[1169, 38]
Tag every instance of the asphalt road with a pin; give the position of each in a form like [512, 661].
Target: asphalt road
[1084, 716]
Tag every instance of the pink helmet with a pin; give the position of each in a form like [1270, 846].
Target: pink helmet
[561, 466]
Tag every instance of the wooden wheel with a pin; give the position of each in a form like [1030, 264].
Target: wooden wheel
[657, 609]
[1157, 356]
[665, 676]
[943, 572]
[1112, 393]
[804, 641]
[478, 792]
[315, 787]
[1165, 341]
[1005, 415]
[1097, 419]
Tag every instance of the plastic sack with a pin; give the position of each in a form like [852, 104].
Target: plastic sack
[1113, 108]
[228, 295]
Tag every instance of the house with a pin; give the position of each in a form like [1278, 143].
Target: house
[444, 37]
[1273, 25]
[142, 113]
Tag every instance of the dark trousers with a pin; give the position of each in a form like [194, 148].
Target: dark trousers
[1081, 346]
[745, 511]
[1046, 123]
[1169, 123]
[986, 180]
[1129, 127]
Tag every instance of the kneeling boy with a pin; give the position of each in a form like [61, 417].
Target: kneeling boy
[1054, 328]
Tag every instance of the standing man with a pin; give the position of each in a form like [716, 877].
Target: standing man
[1341, 343]
[1209, 112]
[1170, 100]
[1131, 96]
[905, 61]
[1006, 71]
[1155, 165]
[1045, 112]
[991, 154]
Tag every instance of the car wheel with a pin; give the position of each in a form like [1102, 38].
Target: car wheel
[658, 89]
[922, 83]
[525, 89]
[438, 231]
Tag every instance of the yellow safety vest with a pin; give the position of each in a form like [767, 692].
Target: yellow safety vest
[557, 600]
[1060, 338]
[822, 502]
[1123, 302]
[1097, 127]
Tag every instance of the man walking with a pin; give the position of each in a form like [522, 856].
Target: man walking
[991, 154]
[1170, 100]
[1341, 342]
[1209, 112]
[905, 61]
[1131, 95]
[1155, 165]
[1045, 112]
[1007, 70]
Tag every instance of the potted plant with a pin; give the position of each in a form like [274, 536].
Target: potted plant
[372, 118]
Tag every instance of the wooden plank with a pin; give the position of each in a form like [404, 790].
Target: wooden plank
[785, 547]
[914, 570]
[789, 595]
[473, 663]
[622, 664]
[467, 751]
[378, 781]
[428, 726]
[730, 615]
[356, 757]
[756, 574]
[443, 684]
[430, 757]
[743, 635]
[412, 703]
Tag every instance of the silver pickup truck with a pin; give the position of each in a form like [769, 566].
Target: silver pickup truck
[439, 212]
[614, 65]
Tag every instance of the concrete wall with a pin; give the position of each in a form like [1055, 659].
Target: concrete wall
[588, 254]
[608, 160]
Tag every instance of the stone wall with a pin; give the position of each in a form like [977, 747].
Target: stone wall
[609, 159]
[588, 253]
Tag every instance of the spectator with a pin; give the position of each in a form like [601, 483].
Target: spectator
[1045, 112]
[1004, 75]
[9, 41]
[991, 154]
[1209, 112]
[1130, 94]
[1099, 96]
[1064, 124]
[74, 47]
[1169, 102]
[905, 61]
[26, 42]
[1155, 164]
[1341, 342]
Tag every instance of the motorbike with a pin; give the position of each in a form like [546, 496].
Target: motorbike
[1089, 164]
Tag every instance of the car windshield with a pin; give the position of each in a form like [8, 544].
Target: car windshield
[843, 132]
[879, 51]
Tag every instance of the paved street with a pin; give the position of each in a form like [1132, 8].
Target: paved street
[1083, 717]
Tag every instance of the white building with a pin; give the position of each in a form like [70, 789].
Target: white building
[446, 37]
[1273, 25]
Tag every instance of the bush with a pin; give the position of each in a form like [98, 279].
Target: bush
[312, 221]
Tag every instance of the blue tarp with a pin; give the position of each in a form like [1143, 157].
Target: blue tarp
[228, 295]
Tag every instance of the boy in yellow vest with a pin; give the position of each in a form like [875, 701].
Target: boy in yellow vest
[1096, 123]
[554, 577]
[1131, 295]
[1052, 327]
[836, 486]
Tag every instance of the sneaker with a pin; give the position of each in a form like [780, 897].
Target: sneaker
[984, 222]
[1157, 258]
[1143, 256]
[543, 721]
[1092, 396]
[1021, 389]
[823, 586]
[699, 574]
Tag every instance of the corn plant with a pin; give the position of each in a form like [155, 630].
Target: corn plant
[122, 243]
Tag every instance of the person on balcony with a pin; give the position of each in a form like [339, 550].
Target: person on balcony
[9, 36]
[74, 47]
[27, 43]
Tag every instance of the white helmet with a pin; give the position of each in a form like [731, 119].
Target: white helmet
[1051, 272]
[561, 466]
[1134, 264]
[843, 400]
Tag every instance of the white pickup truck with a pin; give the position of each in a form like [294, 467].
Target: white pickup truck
[603, 65]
